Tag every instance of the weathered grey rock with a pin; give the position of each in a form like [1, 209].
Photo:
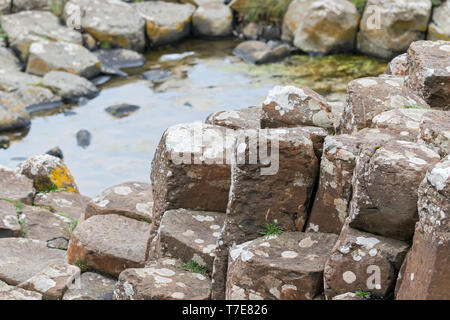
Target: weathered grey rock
[435, 131]
[46, 56]
[322, 26]
[13, 293]
[26, 27]
[291, 106]
[122, 110]
[258, 52]
[23, 5]
[385, 183]
[9, 223]
[398, 66]
[402, 122]
[13, 80]
[334, 192]
[83, 138]
[213, 19]
[13, 114]
[109, 243]
[162, 280]
[368, 97]
[429, 72]
[363, 261]
[165, 22]
[92, 286]
[110, 22]
[424, 274]
[23, 258]
[439, 27]
[8, 60]
[5, 6]
[69, 86]
[47, 172]
[37, 98]
[15, 186]
[388, 28]
[190, 235]
[156, 75]
[287, 267]
[247, 118]
[130, 199]
[53, 281]
[71, 204]
[114, 60]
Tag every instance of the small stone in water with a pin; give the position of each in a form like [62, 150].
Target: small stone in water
[156, 75]
[122, 110]
[56, 152]
[83, 138]
[4, 143]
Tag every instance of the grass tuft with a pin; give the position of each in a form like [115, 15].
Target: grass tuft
[193, 266]
[363, 294]
[271, 230]
[80, 264]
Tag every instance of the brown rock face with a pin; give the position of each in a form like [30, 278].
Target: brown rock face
[363, 261]
[53, 280]
[162, 280]
[334, 193]
[9, 223]
[398, 66]
[191, 169]
[190, 235]
[435, 131]
[109, 244]
[385, 183]
[71, 204]
[287, 267]
[368, 97]
[247, 118]
[425, 274]
[92, 286]
[23, 258]
[429, 72]
[291, 106]
[14, 186]
[131, 199]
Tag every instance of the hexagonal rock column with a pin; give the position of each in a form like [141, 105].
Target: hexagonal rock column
[9, 222]
[247, 118]
[213, 19]
[15, 186]
[165, 22]
[46, 56]
[368, 97]
[291, 106]
[92, 286]
[26, 27]
[388, 28]
[109, 21]
[363, 261]
[23, 258]
[162, 280]
[191, 169]
[403, 122]
[322, 27]
[287, 267]
[385, 183]
[13, 293]
[109, 244]
[429, 72]
[425, 272]
[439, 28]
[435, 131]
[334, 193]
[71, 204]
[190, 235]
[274, 190]
[53, 281]
[130, 199]
[47, 172]
[398, 66]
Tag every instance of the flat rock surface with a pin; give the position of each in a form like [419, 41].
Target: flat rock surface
[15, 186]
[93, 286]
[68, 203]
[247, 118]
[69, 86]
[12, 293]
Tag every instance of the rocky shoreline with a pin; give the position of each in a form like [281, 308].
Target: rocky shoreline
[296, 199]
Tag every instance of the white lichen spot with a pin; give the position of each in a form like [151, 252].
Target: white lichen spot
[289, 254]
[349, 277]
[307, 243]
[178, 295]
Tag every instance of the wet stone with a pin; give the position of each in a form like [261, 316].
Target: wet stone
[114, 60]
[130, 199]
[258, 52]
[93, 286]
[287, 267]
[109, 243]
[122, 110]
[156, 75]
[190, 235]
[37, 98]
[164, 279]
[83, 138]
[56, 152]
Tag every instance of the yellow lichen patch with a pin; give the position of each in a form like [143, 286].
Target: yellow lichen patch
[63, 179]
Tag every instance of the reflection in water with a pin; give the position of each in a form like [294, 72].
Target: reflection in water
[206, 80]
